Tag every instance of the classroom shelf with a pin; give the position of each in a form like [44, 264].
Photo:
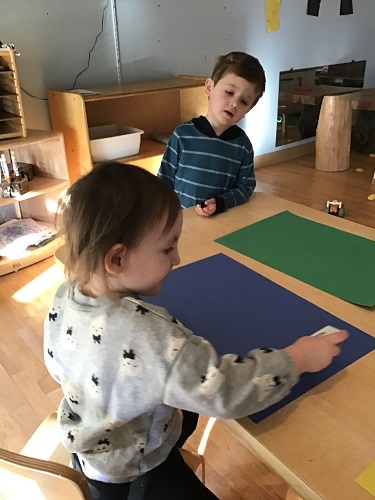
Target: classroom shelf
[155, 106]
[47, 152]
[12, 123]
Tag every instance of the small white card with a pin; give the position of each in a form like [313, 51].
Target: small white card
[327, 330]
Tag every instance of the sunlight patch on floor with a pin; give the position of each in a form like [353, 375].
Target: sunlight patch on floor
[206, 434]
[48, 279]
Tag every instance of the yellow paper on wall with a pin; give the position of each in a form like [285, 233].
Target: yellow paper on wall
[366, 479]
[272, 15]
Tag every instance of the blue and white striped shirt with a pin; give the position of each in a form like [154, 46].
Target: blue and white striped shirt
[199, 165]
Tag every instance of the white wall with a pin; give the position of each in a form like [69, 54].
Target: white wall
[159, 38]
[54, 38]
[167, 37]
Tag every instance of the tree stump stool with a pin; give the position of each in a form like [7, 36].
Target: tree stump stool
[333, 134]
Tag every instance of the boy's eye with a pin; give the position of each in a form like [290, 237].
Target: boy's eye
[244, 102]
[168, 250]
[229, 92]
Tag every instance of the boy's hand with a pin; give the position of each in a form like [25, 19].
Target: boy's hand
[206, 208]
[312, 354]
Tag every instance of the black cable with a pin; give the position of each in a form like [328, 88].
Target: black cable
[92, 48]
[88, 61]
[34, 96]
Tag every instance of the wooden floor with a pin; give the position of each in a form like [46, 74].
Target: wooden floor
[28, 394]
[297, 180]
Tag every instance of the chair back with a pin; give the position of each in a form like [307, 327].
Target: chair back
[35, 479]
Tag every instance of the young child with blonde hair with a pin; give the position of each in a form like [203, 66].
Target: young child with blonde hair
[133, 377]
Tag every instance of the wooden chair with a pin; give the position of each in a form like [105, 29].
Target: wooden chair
[194, 461]
[37, 479]
[41, 470]
[35, 473]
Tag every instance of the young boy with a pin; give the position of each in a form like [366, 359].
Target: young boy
[209, 161]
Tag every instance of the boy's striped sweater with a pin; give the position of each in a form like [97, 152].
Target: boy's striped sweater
[199, 165]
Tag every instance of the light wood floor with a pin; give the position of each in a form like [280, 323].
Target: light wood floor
[298, 181]
[28, 394]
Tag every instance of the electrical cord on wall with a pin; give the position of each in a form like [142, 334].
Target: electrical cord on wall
[34, 96]
[88, 61]
[92, 48]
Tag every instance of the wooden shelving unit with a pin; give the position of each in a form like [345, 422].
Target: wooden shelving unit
[12, 122]
[46, 150]
[156, 107]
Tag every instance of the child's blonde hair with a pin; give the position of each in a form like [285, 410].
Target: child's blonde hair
[243, 65]
[113, 203]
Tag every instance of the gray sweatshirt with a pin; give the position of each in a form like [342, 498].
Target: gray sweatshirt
[126, 368]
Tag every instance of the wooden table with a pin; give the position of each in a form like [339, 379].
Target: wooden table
[323, 440]
[334, 129]
[363, 100]
[311, 95]
[306, 96]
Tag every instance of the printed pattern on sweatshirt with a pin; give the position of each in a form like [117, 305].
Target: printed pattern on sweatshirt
[125, 367]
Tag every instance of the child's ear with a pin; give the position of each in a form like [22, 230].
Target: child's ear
[208, 86]
[114, 261]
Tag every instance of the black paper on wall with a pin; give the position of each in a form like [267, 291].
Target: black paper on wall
[313, 7]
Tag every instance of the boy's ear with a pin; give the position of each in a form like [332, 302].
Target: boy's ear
[208, 86]
[114, 261]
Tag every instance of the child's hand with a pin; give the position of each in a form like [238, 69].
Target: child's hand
[206, 208]
[312, 354]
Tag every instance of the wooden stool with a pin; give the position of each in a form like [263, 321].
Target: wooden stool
[333, 134]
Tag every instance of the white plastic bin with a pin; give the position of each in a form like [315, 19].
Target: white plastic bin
[109, 142]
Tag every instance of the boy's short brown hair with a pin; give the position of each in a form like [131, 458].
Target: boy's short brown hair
[242, 65]
[113, 203]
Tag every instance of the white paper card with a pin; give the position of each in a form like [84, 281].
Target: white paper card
[327, 330]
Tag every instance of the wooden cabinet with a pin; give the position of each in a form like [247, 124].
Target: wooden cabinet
[47, 152]
[12, 122]
[156, 107]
